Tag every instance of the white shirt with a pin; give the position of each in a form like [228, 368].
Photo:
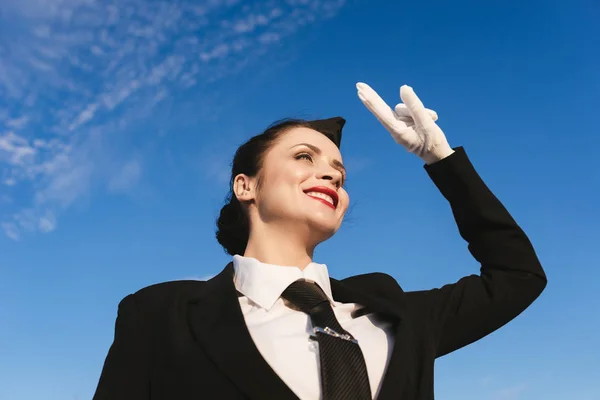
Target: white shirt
[282, 334]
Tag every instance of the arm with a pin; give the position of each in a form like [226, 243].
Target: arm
[511, 277]
[125, 375]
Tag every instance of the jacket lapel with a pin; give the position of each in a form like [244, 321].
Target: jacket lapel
[358, 290]
[218, 325]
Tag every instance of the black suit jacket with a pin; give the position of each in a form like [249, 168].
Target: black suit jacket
[188, 339]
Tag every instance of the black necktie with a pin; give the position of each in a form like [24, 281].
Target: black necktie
[343, 370]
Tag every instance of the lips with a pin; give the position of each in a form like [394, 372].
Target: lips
[326, 195]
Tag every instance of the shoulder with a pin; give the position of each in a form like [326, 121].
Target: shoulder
[373, 280]
[161, 299]
[385, 287]
[377, 284]
[166, 290]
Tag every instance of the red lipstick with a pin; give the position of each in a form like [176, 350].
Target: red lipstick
[327, 191]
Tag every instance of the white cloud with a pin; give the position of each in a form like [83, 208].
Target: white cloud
[17, 123]
[486, 381]
[11, 230]
[84, 116]
[77, 75]
[512, 392]
[15, 150]
[268, 37]
[47, 223]
[215, 165]
[127, 177]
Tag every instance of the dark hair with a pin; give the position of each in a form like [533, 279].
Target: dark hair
[233, 225]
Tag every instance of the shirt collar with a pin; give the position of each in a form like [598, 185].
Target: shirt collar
[264, 283]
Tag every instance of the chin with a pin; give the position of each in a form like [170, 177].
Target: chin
[324, 228]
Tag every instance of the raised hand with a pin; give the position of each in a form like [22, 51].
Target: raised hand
[410, 123]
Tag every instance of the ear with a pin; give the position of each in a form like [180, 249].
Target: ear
[244, 188]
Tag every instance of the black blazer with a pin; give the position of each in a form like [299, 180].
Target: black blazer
[188, 339]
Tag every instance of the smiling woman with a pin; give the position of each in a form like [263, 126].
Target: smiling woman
[276, 178]
[274, 325]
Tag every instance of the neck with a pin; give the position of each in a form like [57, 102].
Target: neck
[278, 246]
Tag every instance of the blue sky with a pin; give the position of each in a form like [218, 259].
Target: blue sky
[118, 121]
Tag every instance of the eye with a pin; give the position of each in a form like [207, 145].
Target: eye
[304, 156]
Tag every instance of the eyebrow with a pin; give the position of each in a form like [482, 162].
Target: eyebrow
[336, 163]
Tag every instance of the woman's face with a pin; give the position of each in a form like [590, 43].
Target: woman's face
[301, 184]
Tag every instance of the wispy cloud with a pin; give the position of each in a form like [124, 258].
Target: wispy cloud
[127, 177]
[514, 392]
[76, 75]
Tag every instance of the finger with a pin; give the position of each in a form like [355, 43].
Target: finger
[385, 121]
[414, 105]
[403, 113]
[376, 105]
[405, 137]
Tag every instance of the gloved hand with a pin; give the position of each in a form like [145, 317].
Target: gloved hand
[411, 124]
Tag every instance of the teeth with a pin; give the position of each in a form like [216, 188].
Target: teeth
[321, 196]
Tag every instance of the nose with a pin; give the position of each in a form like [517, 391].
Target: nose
[331, 174]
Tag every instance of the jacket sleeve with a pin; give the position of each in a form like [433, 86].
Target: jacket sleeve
[125, 375]
[510, 278]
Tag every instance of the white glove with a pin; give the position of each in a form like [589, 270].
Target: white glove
[411, 124]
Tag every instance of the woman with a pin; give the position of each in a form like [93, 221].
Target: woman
[274, 325]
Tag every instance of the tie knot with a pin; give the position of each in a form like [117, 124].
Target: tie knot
[305, 295]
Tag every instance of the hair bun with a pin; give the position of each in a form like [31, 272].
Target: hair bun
[232, 228]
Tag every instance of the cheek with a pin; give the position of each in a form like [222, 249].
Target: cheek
[344, 200]
[291, 175]
[279, 190]
[299, 174]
